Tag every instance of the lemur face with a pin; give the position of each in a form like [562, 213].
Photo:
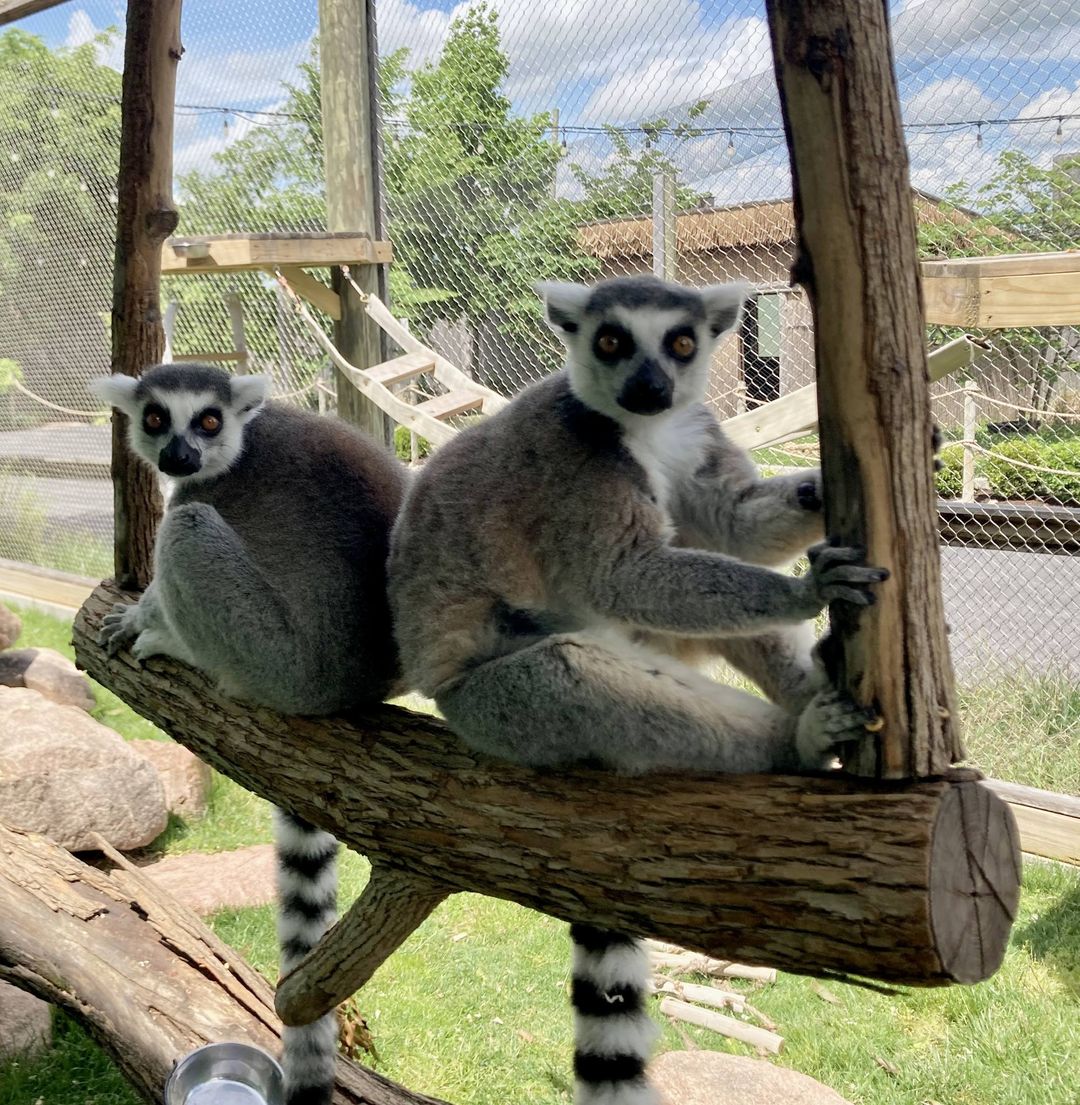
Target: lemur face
[637, 345]
[185, 420]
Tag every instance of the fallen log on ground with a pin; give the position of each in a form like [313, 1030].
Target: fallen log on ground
[143, 974]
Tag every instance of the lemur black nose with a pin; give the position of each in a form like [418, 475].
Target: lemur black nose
[178, 458]
[648, 391]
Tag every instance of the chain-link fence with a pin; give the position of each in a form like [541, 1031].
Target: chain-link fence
[561, 142]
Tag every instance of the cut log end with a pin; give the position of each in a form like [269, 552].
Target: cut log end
[974, 881]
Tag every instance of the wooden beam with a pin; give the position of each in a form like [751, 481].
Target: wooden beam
[145, 217]
[1027, 527]
[796, 413]
[1049, 823]
[314, 291]
[346, 60]
[1000, 300]
[909, 882]
[856, 256]
[10, 10]
[453, 402]
[247, 252]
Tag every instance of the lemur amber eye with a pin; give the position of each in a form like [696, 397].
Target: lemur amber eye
[683, 346]
[608, 343]
[153, 421]
[209, 423]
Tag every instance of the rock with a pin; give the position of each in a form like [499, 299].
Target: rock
[225, 880]
[56, 677]
[67, 776]
[25, 1024]
[10, 627]
[13, 665]
[715, 1078]
[185, 777]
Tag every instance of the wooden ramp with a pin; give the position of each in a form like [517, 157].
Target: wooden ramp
[430, 417]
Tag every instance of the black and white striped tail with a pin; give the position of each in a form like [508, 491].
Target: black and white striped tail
[613, 1033]
[307, 907]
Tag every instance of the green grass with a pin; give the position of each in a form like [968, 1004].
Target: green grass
[474, 1007]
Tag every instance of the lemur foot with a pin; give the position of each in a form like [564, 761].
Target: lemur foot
[830, 719]
[152, 642]
[119, 627]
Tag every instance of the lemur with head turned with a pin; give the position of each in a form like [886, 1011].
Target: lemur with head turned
[548, 563]
[270, 576]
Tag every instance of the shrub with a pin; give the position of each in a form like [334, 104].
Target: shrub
[403, 446]
[950, 479]
[1009, 481]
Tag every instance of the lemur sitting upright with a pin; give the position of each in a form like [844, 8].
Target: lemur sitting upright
[540, 551]
[270, 576]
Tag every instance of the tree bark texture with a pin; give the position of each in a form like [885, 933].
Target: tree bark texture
[812, 875]
[143, 974]
[346, 64]
[857, 259]
[145, 217]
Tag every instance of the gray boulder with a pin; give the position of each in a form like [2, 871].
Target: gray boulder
[13, 665]
[25, 1024]
[715, 1078]
[185, 777]
[56, 677]
[10, 627]
[66, 776]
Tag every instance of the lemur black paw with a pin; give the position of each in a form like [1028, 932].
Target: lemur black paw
[808, 495]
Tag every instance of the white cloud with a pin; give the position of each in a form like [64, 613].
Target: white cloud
[241, 77]
[946, 99]
[81, 30]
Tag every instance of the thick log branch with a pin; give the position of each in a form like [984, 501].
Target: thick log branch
[143, 974]
[812, 875]
[145, 217]
[857, 260]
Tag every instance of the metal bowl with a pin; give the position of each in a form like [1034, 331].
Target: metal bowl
[226, 1074]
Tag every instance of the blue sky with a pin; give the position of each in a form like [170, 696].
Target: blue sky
[621, 61]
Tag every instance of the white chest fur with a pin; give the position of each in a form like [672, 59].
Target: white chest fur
[669, 447]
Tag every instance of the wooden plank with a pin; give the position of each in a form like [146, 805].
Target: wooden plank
[453, 402]
[401, 368]
[1005, 264]
[43, 585]
[10, 10]
[1048, 834]
[996, 302]
[246, 252]
[1016, 794]
[314, 291]
[796, 412]
[231, 357]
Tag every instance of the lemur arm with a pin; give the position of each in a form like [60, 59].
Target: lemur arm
[654, 586]
[726, 506]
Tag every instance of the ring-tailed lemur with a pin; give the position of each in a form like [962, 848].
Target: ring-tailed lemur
[269, 575]
[536, 556]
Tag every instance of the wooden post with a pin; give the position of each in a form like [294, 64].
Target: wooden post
[857, 260]
[967, 493]
[235, 306]
[348, 115]
[665, 259]
[145, 218]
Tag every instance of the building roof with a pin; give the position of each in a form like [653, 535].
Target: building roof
[761, 223]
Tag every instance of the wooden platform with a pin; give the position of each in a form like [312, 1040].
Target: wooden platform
[1020, 289]
[253, 252]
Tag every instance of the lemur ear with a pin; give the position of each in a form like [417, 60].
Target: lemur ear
[724, 305]
[250, 392]
[563, 305]
[117, 391]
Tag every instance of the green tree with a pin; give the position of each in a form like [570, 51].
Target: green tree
[624, 187]
[59, 143]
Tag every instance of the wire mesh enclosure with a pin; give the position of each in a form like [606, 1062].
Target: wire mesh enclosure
[567, 142]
